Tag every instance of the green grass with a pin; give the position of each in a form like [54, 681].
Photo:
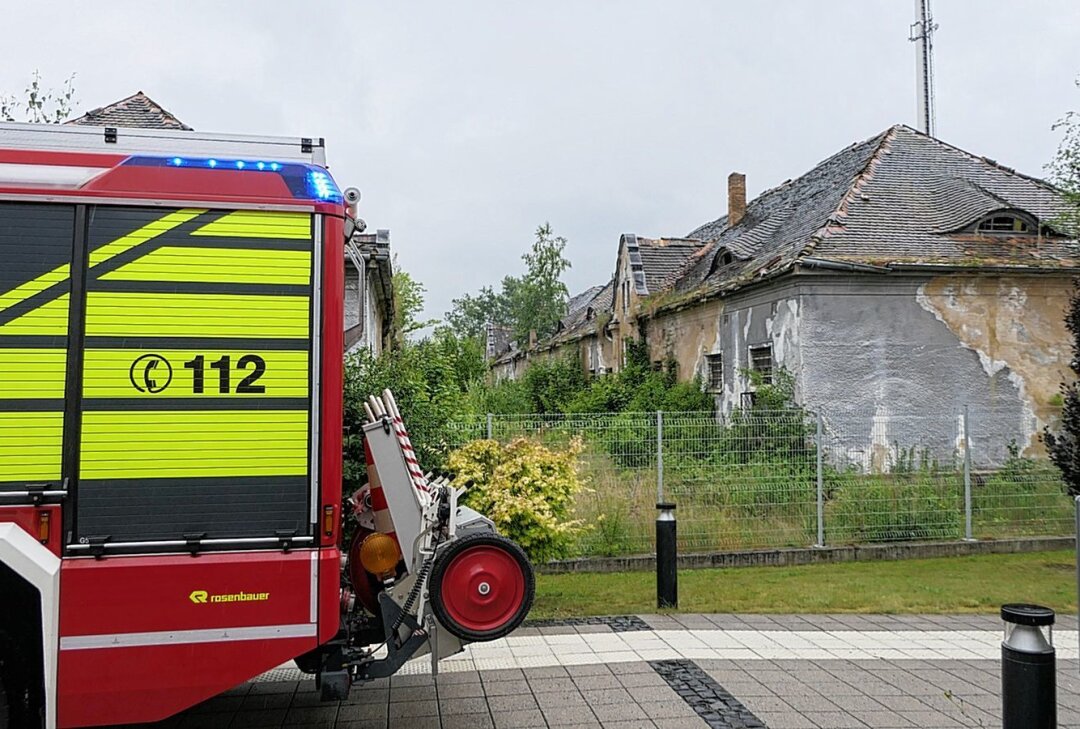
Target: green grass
[979, 584]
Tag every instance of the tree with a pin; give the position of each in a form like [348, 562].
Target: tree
[1065, 169]
[534, 301]
[1064, 446]
[539, 300]
[408, 304]
[471, 314]
[40, 105]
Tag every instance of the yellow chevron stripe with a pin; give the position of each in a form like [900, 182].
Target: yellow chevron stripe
[194, 444]
[107, 251]
[48, 319]
[30, 446]
[107, 374]
[118, 314]
[143, 234]
[218, 265]
[256, 224]
[34, 286]
[36, 373]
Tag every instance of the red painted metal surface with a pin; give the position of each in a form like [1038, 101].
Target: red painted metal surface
[483, 588]
[333, 367]
[164, 595]
[150, 593]
[219, 187]
[29, 518]
[127, 685]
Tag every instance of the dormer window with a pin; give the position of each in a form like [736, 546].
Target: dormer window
[721, 260]
[1007, 223]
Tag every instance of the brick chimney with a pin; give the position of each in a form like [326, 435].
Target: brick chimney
[736, 198]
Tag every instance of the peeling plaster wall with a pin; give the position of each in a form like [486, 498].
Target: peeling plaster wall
[730, 327]
[1013, 324]
[874, 351]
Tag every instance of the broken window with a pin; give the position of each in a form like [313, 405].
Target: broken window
[715, 374]
[761, 361]
[1004, 224]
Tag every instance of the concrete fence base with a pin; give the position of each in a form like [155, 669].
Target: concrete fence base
[813, 555]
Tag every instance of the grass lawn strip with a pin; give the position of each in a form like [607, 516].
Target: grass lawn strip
[976, 584]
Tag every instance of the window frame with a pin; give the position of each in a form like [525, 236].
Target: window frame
[767, 379]
[714, 365]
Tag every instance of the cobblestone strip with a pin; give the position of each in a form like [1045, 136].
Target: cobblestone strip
[709, 700]
[617, 623]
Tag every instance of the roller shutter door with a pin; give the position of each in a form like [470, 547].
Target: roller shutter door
[35, 254]
[195, 394]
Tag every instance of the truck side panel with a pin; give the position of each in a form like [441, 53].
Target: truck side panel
[144, 637]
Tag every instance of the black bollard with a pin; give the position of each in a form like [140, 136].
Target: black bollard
[1028, 678]
[667, 558]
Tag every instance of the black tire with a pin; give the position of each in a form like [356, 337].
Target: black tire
[444, 612]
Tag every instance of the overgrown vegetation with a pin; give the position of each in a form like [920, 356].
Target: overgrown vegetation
[526, 489]
[530, 304]
[1063, 441]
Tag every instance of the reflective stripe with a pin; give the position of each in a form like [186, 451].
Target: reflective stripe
[32, 373]
[30, 445]
[49, 318]
[257, 224]
[143, 234]
[191, 444]
[171, 637]
[231, 265]
[191, 315]
[109, 373]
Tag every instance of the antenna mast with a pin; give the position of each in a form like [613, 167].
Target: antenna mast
[922, 34]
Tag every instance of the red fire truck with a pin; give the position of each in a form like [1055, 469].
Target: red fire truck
[171, 326]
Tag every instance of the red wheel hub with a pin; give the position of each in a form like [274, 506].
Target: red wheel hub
[483, 588]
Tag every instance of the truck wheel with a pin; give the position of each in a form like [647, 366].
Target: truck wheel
[482, 587]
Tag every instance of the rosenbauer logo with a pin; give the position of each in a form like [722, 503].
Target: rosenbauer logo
[201, 597]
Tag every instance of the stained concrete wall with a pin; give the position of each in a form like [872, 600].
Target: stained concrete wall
[892, 362]
[874, 351]
[730, 327]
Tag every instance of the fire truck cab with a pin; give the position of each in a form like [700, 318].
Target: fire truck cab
[171, 332]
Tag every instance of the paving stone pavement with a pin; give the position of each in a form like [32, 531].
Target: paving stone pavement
[782, 672]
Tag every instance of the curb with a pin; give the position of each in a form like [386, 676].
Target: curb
[791, 556]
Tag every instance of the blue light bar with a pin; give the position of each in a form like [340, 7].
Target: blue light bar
[322, 186]
[305, 181]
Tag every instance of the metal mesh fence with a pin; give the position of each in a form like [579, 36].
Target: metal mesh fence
[767, 479]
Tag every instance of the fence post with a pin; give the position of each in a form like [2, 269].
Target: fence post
[967, 477]
[489, 426]
[659, 457]
[820, 481]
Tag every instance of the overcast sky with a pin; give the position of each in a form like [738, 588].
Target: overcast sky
[466, 124]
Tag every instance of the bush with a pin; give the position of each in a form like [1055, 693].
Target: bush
[526, 489]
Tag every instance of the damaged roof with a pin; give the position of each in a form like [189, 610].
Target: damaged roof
[663, 258]
[137, 111]
[898, 198]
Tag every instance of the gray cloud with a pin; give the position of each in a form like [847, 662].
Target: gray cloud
[467, 124]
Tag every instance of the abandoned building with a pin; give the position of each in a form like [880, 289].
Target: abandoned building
[900, 275]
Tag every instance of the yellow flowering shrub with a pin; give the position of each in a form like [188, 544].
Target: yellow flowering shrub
[526, 489]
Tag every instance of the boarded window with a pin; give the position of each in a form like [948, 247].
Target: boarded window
[715, 364]
[761, 361]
